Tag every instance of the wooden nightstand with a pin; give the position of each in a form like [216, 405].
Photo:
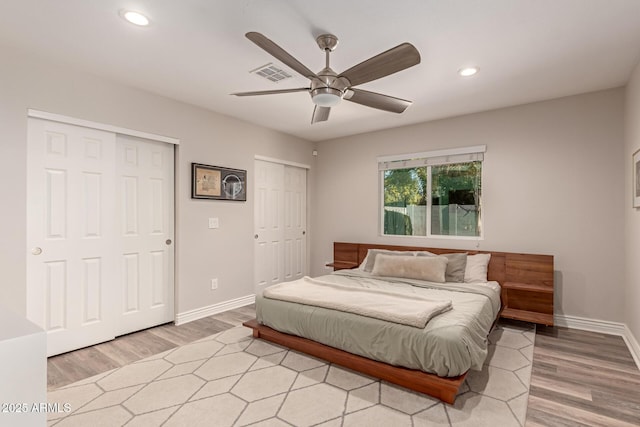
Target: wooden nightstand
[528, 302]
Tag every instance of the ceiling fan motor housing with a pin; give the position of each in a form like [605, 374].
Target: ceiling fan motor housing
[328, 82]
[328, 89]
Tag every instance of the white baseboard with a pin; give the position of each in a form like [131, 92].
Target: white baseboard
[199, 313]
[593, 325]
[633, 345]
[604, 327]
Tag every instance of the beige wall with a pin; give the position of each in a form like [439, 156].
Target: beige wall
[553, 184]
[632, 216]
[206, 137]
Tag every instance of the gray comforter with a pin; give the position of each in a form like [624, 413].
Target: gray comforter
[449, 345]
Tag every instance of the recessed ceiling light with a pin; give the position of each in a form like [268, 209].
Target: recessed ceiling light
[136, 18]
[468, 71]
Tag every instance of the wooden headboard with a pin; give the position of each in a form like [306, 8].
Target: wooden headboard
[503, 266]
[526, 279]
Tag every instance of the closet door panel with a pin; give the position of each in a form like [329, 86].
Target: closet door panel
[71, 267]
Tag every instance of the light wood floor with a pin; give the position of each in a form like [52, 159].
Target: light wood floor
[582, 378]
[84, 363]
[578, 379]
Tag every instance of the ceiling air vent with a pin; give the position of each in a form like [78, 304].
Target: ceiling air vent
[271, 72]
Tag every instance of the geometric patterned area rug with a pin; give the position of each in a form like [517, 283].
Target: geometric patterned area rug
[232, 379]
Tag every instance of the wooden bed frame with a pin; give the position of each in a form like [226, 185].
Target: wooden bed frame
[503, 267]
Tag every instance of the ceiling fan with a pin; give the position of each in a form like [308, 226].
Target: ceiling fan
[327, 87]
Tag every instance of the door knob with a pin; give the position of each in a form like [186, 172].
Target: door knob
[304, 232]
[36, 251]
[168, 242]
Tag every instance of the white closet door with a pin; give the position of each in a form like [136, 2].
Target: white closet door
[71, 271]
[295, 222]
[100, 231]
[280, 223]
[145, 222]
[269, 222]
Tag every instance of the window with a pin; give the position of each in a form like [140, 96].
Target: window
[433, 194]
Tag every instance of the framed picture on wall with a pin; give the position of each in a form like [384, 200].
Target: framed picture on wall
[636, 179]
[218, 183]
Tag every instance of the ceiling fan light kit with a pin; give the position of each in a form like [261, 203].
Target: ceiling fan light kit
[326, 96]
[327, 87]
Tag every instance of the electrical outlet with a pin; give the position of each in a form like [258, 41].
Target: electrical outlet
[214, 223]
[214, 284]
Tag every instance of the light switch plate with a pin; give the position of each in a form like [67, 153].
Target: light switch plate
[214, 223]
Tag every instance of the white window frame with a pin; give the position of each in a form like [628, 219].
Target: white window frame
[428, 159]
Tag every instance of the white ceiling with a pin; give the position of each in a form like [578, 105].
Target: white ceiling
[195, 51]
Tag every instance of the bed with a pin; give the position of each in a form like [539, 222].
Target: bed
[432, 358]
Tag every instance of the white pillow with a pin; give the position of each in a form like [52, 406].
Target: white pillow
[428, 268]
[477, 268]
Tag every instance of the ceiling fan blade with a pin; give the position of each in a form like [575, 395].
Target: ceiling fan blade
[280, 54]
[271, 92]
[320, 114]
[377, 100]
[393, 60]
